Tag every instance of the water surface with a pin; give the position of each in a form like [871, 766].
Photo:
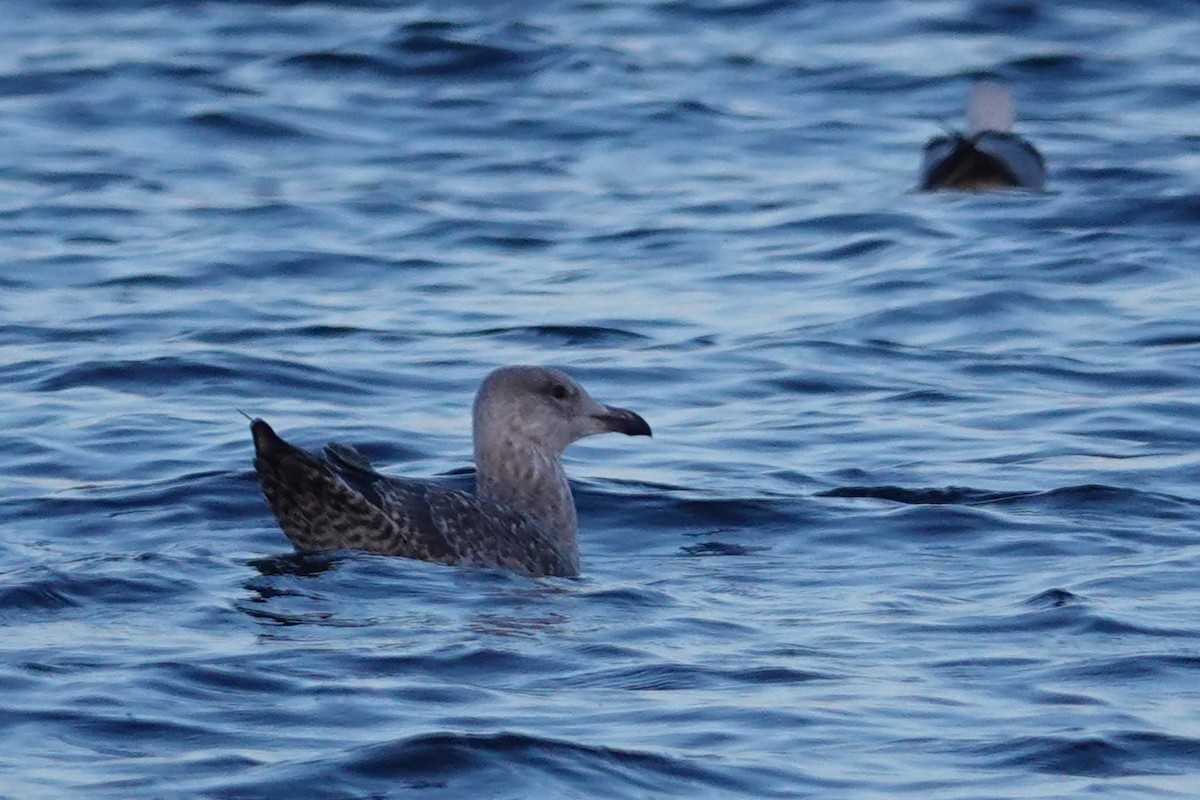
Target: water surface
[919, 518]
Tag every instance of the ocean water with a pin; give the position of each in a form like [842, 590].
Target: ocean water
[920, 518]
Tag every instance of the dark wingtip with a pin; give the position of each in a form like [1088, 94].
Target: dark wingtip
[265, 438]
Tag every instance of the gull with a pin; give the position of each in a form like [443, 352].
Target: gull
[520, 518]
[991, 156]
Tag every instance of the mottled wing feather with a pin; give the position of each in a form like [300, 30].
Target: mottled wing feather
[338, 501]
[455, 527]
[489, 534]
[316, 509]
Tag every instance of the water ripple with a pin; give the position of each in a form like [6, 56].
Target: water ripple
[919, 518]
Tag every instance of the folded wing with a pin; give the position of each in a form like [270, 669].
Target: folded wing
[336, 500]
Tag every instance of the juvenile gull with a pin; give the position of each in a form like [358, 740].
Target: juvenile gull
[991, 156]
[521, 517]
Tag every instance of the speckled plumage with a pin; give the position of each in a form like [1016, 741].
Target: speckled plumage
[521, 518]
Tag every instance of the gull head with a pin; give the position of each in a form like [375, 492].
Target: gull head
[544, 408]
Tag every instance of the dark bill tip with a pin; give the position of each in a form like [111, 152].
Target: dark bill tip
[622, 420]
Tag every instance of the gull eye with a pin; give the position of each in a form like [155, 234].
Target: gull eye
[558, 391]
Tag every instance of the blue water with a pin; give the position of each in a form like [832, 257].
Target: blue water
[920, 518]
